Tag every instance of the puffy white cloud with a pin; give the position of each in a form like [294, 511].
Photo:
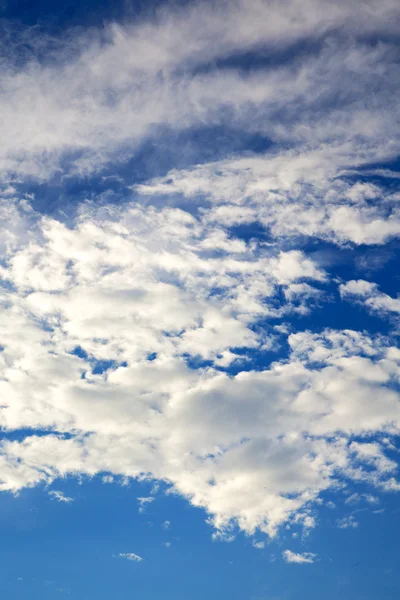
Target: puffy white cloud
[299, 558]
[292, 193]
[101, 360]
[118, 329]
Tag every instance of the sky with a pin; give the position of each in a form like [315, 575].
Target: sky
[199, 296]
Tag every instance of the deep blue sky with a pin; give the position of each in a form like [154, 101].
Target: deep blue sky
[49, 548]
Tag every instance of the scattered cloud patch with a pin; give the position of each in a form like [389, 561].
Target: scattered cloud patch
[144, 502]
[107, 479]
[130, 556]
[357, 498]
[300, 559]
[368, 294]
[347, 523]
[60, 496]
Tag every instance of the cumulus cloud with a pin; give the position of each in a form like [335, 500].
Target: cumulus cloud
[300, 559]
[293, 193]
[103, 347]
[128, 330]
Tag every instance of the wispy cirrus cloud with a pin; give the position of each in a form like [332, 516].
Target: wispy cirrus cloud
[69, 105]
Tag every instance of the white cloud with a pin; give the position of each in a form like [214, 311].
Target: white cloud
[292, 193]
[130, 556]
[304, 558]
[60, 496]
[118, 328]
[258, 545]
[143, 502]
[347, 523]
[309, 522]
[357, 498]
[107, 479]
[75, 106]
[368, 294]
[253, 449]
[223, 535]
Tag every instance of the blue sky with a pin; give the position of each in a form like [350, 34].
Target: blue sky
[199, 361]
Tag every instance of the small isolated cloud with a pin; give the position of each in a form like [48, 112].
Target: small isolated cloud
[357, 498]
[309, 522]
[347, 523]
[371, 499]
[353, 499]
[304, 558]
[259, 545]
[167, 524]
[144, 501]
[60, 497]
[167, 544]
[130, 556]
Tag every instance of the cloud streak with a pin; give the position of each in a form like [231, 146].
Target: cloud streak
[299, 559]
[68, 105]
